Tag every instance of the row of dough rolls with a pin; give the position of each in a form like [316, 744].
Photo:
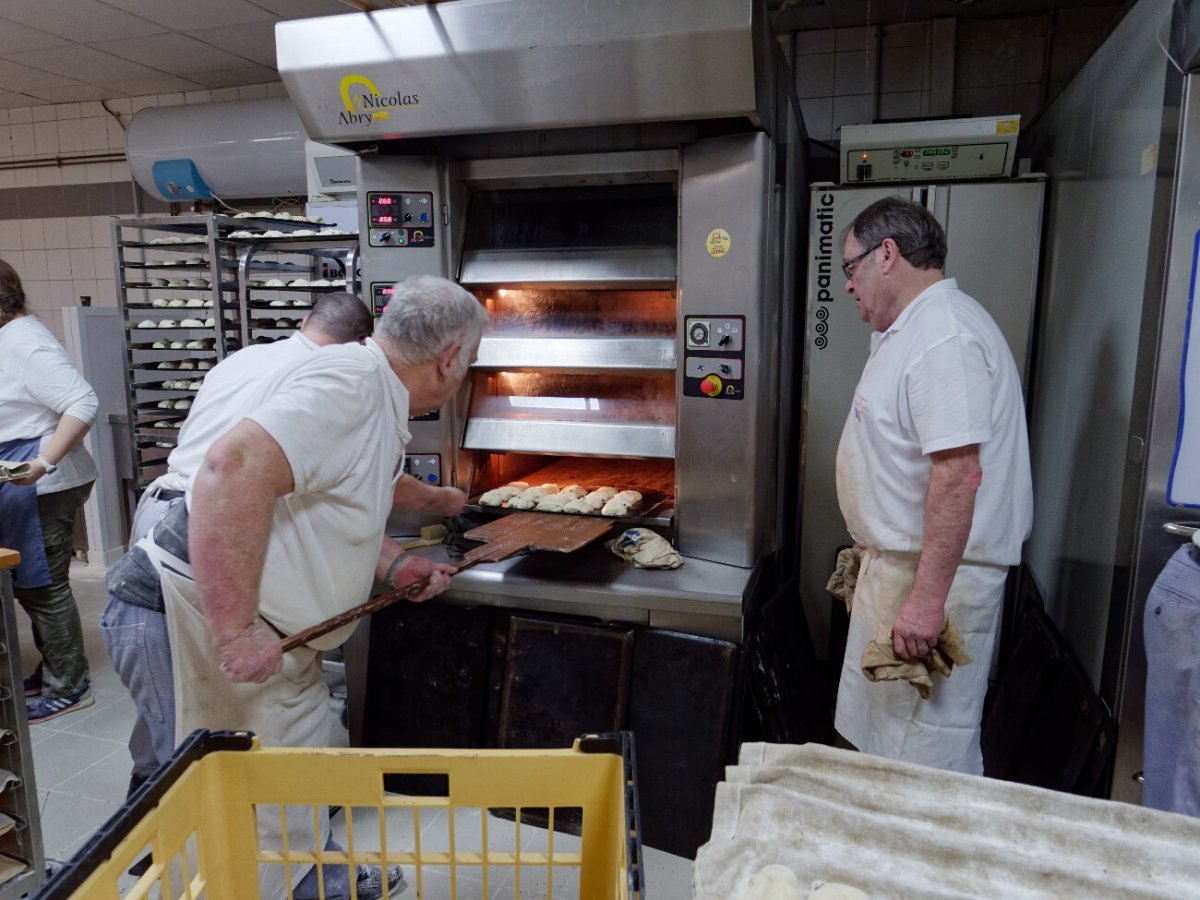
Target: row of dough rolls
[574, 499]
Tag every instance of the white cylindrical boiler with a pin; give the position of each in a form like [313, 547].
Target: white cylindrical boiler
[241, 148]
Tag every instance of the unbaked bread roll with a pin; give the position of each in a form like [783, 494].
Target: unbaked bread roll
[621, 504]
[557, 502]
[528, 498]
[577, 507]
[599, 497]
[497, 496]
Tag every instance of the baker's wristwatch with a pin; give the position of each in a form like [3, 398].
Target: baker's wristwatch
[50, 467]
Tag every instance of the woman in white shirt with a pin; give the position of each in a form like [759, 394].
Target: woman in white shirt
[45, 410]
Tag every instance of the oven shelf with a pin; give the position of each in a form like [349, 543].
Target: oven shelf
[576, 354]
[571, 438]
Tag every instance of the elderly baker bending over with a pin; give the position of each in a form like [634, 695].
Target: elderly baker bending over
[285, 523]
[933, 480]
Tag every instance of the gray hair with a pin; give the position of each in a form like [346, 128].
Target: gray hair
[428, 314]
[918, 235]
[342, 317]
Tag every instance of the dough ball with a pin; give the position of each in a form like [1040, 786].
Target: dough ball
[497, 496]
[621, 504]
[599, 497]
[555, 502]
[528, 498]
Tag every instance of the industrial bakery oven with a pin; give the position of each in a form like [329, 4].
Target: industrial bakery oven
[628, 217]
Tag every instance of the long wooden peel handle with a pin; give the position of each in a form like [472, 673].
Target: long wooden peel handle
[291, 642]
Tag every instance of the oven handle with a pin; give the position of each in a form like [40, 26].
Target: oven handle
[1182, 529]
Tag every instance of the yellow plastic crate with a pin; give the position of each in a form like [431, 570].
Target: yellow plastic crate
[197, 817]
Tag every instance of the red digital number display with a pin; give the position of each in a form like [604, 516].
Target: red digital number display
[385, 220]
[385, 201]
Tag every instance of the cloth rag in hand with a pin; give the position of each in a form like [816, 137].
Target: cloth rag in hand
[845, 575]
[880, 663]
[645, 549]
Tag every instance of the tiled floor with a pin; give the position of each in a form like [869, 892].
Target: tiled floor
[82, 766]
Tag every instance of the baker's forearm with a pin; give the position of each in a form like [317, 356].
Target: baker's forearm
[413, 495]
[233, 502]
[949, 510]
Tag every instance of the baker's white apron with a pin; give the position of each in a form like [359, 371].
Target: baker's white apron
[889, 718]
[290, 709]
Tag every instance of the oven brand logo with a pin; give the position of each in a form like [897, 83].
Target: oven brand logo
[824, 269]
[365, 103]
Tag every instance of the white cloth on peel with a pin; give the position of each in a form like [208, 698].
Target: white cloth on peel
[645, 549]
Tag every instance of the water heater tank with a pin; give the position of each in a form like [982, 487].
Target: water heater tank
[242, 148]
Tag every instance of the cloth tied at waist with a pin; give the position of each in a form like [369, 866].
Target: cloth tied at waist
[845, 575]
[880, 662]
[21, 520]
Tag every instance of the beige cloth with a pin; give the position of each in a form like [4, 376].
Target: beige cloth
[645, 549]
[845, 575]
[880, 663]
[290, 709]
[899, 830]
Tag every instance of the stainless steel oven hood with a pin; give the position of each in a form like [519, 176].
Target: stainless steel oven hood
[516, 65]
[598, 267]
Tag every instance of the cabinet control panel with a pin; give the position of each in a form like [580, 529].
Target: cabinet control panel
[715, 356]
[400, 219]
[928, 163]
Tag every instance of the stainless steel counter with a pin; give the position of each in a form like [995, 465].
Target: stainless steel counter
[700, 597]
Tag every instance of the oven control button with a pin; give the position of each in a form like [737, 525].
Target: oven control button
[711, 385]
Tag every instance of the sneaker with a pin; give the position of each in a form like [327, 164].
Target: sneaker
[43, 709]
[33, 684]
[369, 882]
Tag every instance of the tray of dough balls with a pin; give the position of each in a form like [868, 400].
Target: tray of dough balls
[636, 489]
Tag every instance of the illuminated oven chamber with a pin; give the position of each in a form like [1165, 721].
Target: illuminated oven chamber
[577, 386]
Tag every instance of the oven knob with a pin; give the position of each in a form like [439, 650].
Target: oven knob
[711, 386]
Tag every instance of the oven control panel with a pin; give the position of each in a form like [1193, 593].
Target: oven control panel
[426, 467]
[714, 358]
[381, 293]
[400, 219]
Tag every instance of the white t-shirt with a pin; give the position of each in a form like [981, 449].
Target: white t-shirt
[38, 386]
[941, 377]
[229, 392]
[341, 418]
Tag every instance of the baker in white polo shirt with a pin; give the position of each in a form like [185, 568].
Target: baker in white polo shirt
[283, 528]
[934, 482]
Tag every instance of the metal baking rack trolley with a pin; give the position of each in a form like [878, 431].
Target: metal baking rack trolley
[467, 835]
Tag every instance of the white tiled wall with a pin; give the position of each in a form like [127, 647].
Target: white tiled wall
[61, 259]
[857, 75]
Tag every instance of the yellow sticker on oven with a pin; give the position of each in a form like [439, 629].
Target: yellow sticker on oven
[717, 243]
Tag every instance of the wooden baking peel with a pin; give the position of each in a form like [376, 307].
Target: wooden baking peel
[504, 537]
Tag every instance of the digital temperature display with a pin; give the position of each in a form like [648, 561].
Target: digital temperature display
[384, 209]
[382, 293]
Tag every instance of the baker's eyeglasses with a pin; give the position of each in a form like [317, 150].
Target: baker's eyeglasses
[850, 265]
